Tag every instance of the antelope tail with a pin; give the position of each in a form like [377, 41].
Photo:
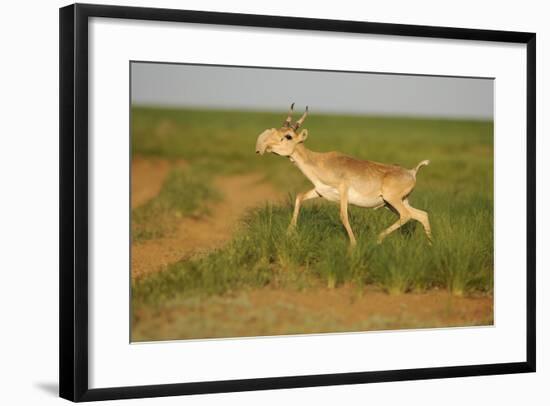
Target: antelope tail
[420, 165]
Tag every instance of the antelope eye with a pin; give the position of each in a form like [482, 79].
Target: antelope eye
[288, 137]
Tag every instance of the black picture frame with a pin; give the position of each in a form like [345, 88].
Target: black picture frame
[73, 277]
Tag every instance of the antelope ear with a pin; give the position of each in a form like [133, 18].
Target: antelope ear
[303, 135]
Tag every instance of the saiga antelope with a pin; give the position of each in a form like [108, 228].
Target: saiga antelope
[341, 178]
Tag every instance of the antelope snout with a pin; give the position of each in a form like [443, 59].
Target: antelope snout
[263, 142]
[260, 149]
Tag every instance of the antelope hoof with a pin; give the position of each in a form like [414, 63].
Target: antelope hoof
[291, 229]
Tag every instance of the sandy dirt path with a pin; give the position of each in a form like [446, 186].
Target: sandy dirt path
[195, 235]
[148, 176]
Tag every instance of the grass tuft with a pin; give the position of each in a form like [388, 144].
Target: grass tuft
[317, 253]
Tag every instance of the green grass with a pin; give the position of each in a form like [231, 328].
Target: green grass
[456, 190]
[461, 152]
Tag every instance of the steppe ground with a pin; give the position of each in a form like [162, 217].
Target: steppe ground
[211, 256]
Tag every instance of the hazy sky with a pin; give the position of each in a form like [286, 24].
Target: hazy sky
[202, 86]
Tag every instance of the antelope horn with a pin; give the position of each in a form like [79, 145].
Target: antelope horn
[288, 120]
[299, 123]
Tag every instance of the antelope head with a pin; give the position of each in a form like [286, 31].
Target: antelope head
[282, 141]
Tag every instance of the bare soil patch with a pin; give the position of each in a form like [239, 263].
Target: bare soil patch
[270, 311]
[199, 234]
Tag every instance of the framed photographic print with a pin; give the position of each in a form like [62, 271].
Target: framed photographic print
[257, 202]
